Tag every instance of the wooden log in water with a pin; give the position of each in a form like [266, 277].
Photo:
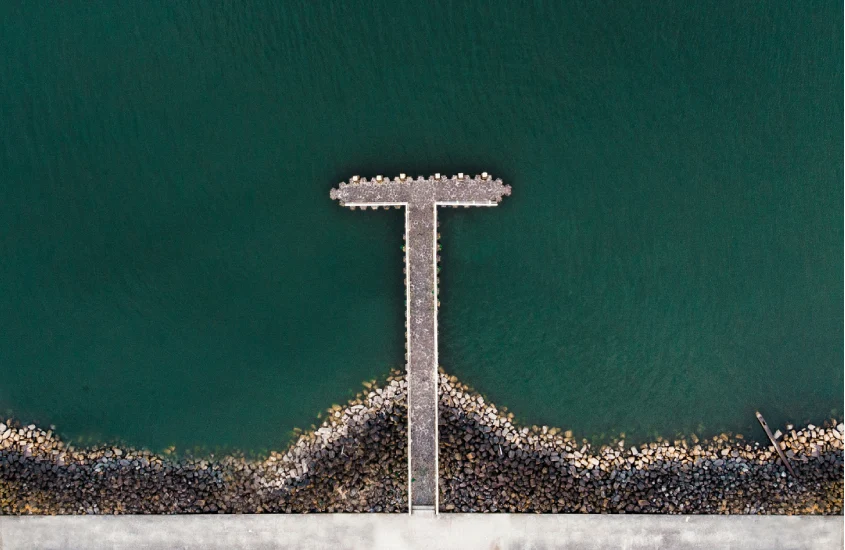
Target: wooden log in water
[775, 443]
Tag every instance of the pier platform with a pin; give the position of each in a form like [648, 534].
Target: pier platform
[420, 197]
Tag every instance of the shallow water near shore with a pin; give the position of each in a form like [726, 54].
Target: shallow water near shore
[173, 272]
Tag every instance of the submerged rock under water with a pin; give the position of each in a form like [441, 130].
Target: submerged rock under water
[356, 462]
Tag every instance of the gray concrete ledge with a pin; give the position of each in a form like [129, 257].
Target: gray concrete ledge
[382, 531]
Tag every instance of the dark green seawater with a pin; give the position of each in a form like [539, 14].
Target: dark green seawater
[172, 270]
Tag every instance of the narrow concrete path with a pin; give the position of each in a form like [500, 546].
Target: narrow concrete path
[421, 259]
[394, 532]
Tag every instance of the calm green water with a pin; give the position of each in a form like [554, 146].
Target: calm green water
[172, 270]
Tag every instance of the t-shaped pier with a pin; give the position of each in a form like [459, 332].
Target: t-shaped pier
[421, 197]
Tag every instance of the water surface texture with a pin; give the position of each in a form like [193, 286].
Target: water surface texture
[172, 270]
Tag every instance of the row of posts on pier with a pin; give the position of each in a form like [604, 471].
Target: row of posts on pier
[404, 177]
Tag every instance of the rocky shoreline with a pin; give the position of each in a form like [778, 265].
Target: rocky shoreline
[356, 462]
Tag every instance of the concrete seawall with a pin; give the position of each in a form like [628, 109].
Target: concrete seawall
[394, 531]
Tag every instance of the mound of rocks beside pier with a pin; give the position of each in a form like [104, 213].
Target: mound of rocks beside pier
[356, 461]
[488, 464]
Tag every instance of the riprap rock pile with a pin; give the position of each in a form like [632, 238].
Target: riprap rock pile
[356, 461]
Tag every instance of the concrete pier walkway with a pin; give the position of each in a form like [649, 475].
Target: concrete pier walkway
[398, 531]
[421, 197]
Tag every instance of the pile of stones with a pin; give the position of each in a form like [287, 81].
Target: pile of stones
[488, 464]
[356, 461]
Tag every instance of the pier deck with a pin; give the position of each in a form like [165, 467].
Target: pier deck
[421, 197]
